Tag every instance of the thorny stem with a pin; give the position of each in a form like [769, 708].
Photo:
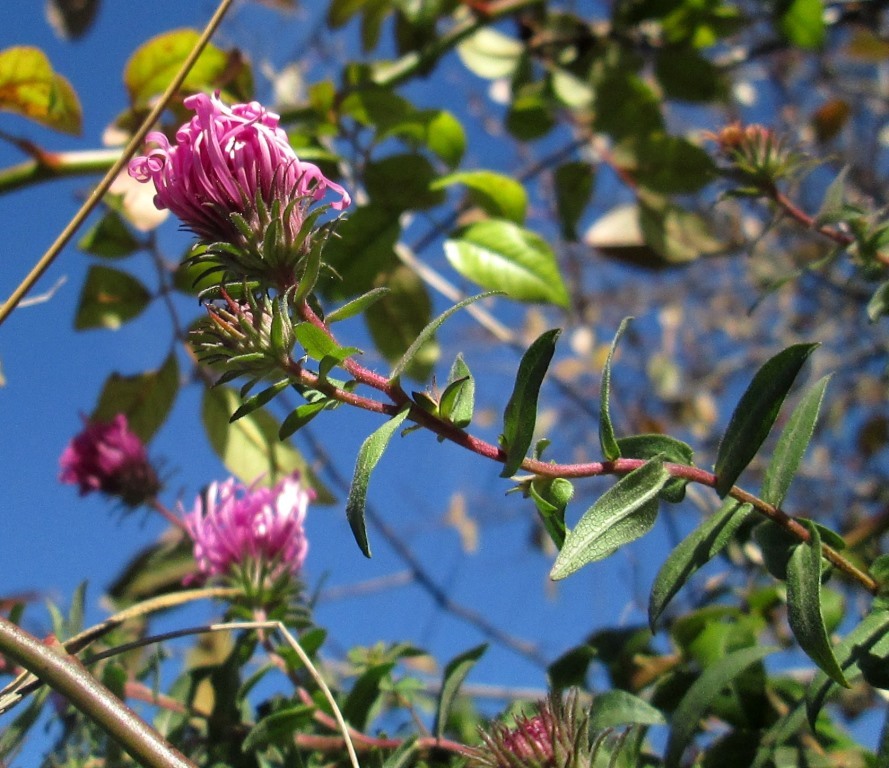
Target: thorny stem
[481, 447]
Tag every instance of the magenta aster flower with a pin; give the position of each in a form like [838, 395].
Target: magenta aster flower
[225, 160]
[109, 457]
[235, 527]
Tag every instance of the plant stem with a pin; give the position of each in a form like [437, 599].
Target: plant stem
[66, 675]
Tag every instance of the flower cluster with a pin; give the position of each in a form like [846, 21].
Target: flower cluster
[109, 457]
[755, 152]
[256, 532]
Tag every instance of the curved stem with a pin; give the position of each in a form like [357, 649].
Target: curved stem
[65, 674]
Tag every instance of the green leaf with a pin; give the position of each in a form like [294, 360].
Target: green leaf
[694, 551]
[157, 569]
[624, 512]
[686, 75]
[802, 22]
[368, 456]
[607, 440]
[500, 255]
[626, 106]
[109, 298]
[457, 402]
[792, 444]
[249, 447]
[154, 64]
[756, 412]
[356, 306]
[617, 707]
[498, 195]
[428, 333]
[29, 87]
[13, 735]
[278, 728]
[702, 693]
[364, 694]
[804, 605]
[551, 497]
[299, 417]
[145, 399]
[520, 415]
[316, 342]
[669, 449]
[879, 303]
[109, 237]
[258, 400]
[870, 639]
[571, 668]
[454, 674]
[574, 187]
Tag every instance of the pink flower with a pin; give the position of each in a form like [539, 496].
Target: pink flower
[234, 526]
[223, 159]
[109, 457]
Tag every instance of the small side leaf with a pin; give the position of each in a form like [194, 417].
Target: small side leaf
[299, 417]
[756, 413]
[429, 331]
[454, 675]
[610, 447]
[702, 692]
[624, 513]
[457, 402]
[520, 415]
[618, 707]
[109, 298]
[258, 400]
[804, 605]
[356, 306]
[368, 455]
[792, 444]
[693, 552]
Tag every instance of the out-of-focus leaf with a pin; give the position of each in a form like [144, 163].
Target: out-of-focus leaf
[530, 115]
[490, 54]
[500, 196]
[878, 306]
[667, 165]
[155, 570]
[676, 235]
[438, 130]
[145, 398]
[607, 440]
[626, 106]
[397, 320]
[278, 728]
[574, 187]
[694, 551]
[618, 707]
[109, 237]
[402, 182]
[804, 605]
[830, 119]
[702, 693]
[571, 668]
[622, 514]
[369, 455]
[70, 19]
[364, 695]
[14, 734]
[756, 413]
[792, 445]
[30, 87]
[109, 298]
[427, 333]
[520, 415]
[249, 447]
[500, 255]
[363, 249]
[154, 64]
[454, 674]
[686, 75]
[802, 22]
[869, 639]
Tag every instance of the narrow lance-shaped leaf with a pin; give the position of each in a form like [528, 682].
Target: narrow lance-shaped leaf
[520, 415]
[625, 512]
[693, 552]
[701, 693]
[804, 604]
[756, 413]
[618, 707]
[368, 455]
[607, 439]
[430, 330]
[260, 399]
[454, 675]
[871, 636]
[356, 306]
[792, 444]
